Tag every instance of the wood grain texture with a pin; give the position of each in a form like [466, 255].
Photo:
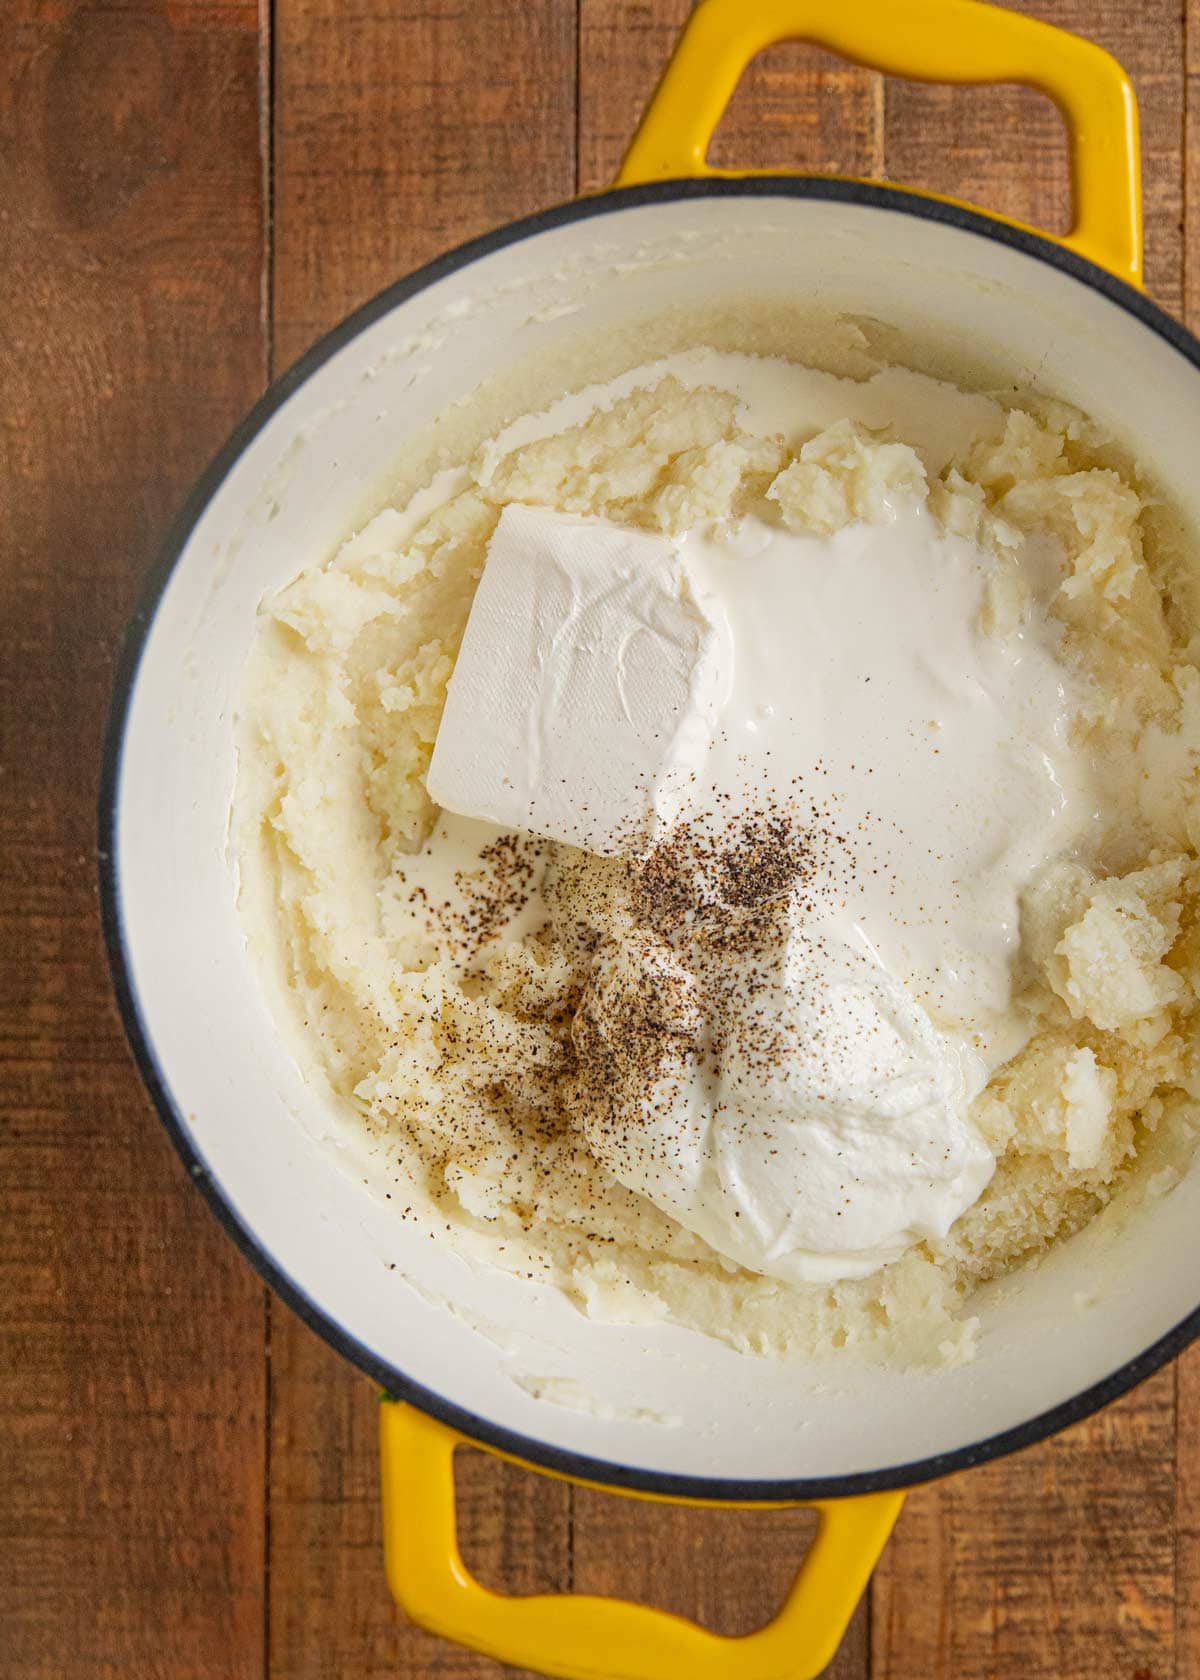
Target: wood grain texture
[1005, 147]
[399, 131]
[403, 129]
[1186, 1524]
[797, 108]
[131, 1341]
[1060, 1563]
[330, 1612]
[624, 46]
[728, 1570]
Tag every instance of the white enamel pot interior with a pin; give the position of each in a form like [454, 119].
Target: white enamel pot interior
[311, 463]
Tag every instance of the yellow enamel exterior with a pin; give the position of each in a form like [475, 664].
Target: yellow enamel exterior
[584, 1638]
[926, 41]
[572, 1635]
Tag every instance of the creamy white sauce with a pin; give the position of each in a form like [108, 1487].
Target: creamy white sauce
[860, 680]
[826, 1157]
[860, 667]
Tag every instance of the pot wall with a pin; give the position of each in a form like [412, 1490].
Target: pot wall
[319, 465]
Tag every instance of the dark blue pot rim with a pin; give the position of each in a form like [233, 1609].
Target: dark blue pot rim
[393, 1381]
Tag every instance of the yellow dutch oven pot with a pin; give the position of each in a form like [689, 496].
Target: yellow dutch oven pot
[961, 290]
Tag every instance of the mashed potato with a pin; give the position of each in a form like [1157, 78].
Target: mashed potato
[456, 1076]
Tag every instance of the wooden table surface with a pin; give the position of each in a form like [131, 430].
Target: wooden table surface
[190, 192]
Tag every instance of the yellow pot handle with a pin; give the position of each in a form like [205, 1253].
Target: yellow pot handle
[585, 1638]
[925, 41]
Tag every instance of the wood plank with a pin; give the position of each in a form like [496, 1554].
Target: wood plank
[1054, 1564]
[399, 131]
[1186, 1525]
[1058, 1564]
[728, 1570]
[623, 48]
[402, 130]
[331, 1614]
[1005, 147]
[131, 1340]
[795, 107]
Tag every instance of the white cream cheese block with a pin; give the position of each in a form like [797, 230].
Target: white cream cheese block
[588, 685]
